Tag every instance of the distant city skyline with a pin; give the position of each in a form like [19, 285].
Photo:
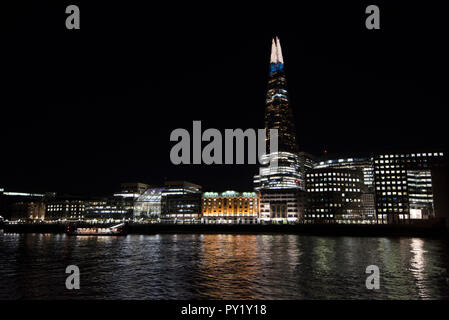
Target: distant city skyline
[221, 158]
[107, 118]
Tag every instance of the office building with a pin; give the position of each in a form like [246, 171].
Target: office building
[404, 185]
[62, 208]
[335, 196]
[181, 202]
[365, 164]
[282, 205]
[109, 210]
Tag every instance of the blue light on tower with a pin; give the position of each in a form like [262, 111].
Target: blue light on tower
[275, 67]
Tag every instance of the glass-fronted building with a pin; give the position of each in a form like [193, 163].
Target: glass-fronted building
[335, 196]
[281, 171]
[404, 185]
[181, 202]
[147, 207]
[109, 210]
[365, 165]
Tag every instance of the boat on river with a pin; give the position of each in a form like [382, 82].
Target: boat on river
[117, 230]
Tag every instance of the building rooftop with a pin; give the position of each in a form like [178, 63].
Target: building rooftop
[230, 193]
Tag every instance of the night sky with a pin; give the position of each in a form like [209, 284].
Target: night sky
[84, 110]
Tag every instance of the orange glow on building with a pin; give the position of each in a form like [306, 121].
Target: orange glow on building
[230, 207]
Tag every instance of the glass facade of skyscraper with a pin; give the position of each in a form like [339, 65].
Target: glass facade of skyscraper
[281, 168]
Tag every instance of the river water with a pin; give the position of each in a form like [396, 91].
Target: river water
[32, 266]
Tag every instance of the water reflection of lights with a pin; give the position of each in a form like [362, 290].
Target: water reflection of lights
[417, 265]
[227, 259]
[417, 260]
[324, 252]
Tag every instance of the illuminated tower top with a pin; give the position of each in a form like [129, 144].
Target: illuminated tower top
[276, 51]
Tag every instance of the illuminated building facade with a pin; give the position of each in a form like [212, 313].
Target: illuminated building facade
[65, 208]
[230, 207]
[281, 169]
[335, 196]
[365, 164]
[282, 205]
[404, 185]
[147, 207]
[181, 202]
[109, 210]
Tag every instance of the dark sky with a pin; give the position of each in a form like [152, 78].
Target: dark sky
[84, 110]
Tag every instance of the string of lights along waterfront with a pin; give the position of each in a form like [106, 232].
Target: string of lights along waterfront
[394, 187]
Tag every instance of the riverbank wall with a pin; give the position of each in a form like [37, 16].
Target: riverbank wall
[424, 229]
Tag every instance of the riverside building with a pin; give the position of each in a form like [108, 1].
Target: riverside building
[109, 210]
[28, 210]
[181, 202]
[230, 207]
[335, 196]
[282, 205]
[148, 206]
[62, 208]
[8, 199]
[404, 185]
[365, 165]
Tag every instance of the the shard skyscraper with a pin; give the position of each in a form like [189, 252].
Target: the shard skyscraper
[285, 174]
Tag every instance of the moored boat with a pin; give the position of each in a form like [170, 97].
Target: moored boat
[117, 230]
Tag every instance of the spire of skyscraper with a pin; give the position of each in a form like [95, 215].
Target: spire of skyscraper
[279, 51]
[273, 52]
[276, 51]
[278, 113]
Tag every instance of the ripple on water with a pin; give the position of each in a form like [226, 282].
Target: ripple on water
[222, 267]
